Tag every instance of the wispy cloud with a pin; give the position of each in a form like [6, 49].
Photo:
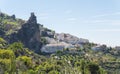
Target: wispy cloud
[72, 19]
[108, 14]
[93, 21]
[105, 22]
[106, 30]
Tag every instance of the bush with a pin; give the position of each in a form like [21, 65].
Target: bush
[27, 61]
[7, 54]
[17, 47]
[7, 61]
[2, 43]
[92, 68]
[53, 72]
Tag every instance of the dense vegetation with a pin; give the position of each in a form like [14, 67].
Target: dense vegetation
[15, 58]
[9, 24]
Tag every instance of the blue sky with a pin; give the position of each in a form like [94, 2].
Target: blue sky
[96, 20]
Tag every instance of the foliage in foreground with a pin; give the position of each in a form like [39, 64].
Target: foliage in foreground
[16, 59]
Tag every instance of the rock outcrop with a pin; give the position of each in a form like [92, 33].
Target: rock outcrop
[99, 47]
[34, 36]
[70, 39]
[29, 34]
[62, 41]
[32, 19]
[1, 33]
[52, 48]
[51, 40]
[117, 47]
[47, 33]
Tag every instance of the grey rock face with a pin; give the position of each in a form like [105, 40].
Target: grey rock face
[1, 33]
[117, 47]
[29, 34]
[52, 48]
[70, 39]
[32, 19]
[51, 40]
[47, 33]
[61, 41]
[13, 16]
[99, 47]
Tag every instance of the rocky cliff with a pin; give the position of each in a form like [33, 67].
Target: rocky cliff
[62, 41]
[29, 34]
[35, 36]
[70, 39]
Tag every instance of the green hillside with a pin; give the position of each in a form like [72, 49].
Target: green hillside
[9, 24]
[20, 54]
